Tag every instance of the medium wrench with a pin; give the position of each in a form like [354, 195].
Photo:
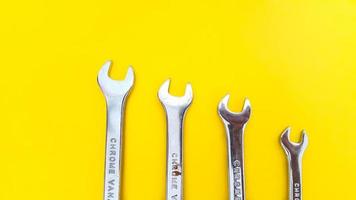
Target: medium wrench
[175, 108]
[115, 93]
[294, 153]
[235, 124]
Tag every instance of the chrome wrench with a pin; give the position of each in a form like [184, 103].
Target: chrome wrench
[235, 124]
[115, 93]
[175, 108]
[294, 153]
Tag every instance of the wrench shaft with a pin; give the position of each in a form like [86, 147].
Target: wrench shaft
[295, 177]
[115, 106]
[236, 163]
[174, 154]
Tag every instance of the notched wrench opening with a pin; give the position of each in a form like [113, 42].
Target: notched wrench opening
[112, 87]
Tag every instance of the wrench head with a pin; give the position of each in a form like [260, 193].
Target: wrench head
[292, 148]
[232, 117]
[112, 87]
[169, 100]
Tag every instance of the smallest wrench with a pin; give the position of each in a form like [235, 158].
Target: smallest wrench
[294, 153]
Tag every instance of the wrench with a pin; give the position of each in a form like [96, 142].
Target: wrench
[294, 153]
[115, 93]
[235, 124]
[175, 108]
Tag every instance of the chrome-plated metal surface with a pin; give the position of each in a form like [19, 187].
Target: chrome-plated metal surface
[115, 93]
[235, 124]
[175, 108]
[294, 153]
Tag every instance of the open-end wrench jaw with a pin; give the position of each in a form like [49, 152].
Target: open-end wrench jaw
[112, 87]
[174, 101]
[233, 117]
[292, 148]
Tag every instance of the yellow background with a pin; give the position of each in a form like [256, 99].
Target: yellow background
[294, 59]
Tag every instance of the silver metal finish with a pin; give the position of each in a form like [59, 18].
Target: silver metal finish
[175, 108]
[294, 153]
[235, 124]
[115, 93]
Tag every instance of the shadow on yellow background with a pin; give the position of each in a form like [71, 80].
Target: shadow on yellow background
[295, 61]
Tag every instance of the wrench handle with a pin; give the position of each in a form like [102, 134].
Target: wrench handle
[236, 162]
[175, 117]
[115, 107]
[295, 177]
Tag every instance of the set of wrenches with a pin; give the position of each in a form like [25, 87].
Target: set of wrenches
[116, 93]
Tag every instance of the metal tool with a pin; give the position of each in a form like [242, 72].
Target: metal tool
[294, 153]
[175, 108]
[115, 93]
[235, 124]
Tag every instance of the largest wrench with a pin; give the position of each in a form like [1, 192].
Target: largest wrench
[115, 94]
[175, 108]
[235, 124]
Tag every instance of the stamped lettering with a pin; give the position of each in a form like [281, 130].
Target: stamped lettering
[296, 191]
[238, 190]
[111, 168]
